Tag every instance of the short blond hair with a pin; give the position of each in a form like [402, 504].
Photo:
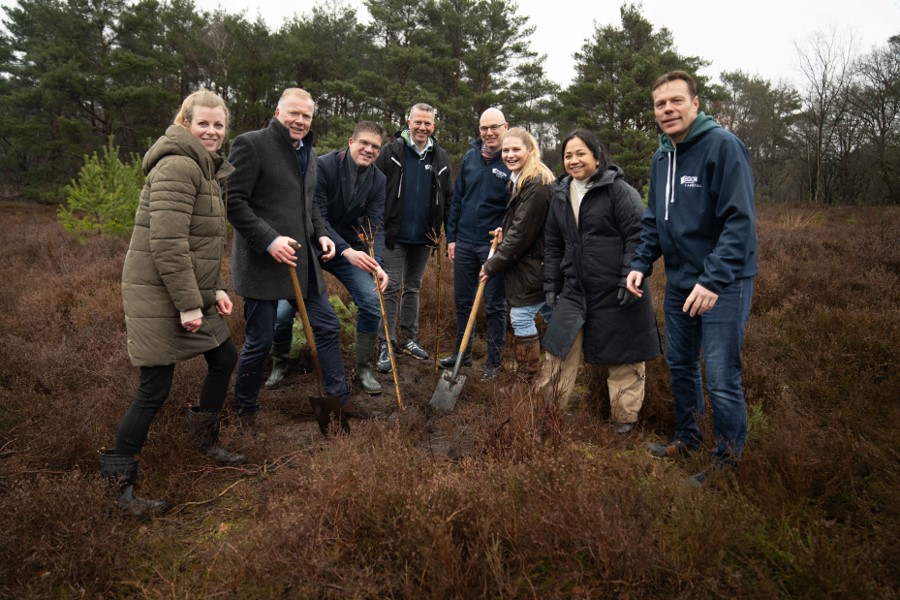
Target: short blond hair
[294, 91]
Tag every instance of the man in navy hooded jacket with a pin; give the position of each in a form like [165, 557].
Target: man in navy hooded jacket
[479, 201]
[701, 218]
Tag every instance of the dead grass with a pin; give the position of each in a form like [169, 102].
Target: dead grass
[500, 498]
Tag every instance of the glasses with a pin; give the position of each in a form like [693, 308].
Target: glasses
[491, 128]
[364, 144]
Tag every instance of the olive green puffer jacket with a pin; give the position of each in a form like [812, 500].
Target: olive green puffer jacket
[174, 259]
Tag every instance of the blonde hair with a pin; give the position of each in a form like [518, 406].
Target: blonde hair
[295, 91]
[534, 166]
[204, 98]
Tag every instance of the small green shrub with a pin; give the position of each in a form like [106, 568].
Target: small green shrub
[105, 195]
[346, 315]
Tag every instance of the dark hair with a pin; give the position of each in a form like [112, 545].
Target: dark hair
[675, 76]
[368, 127]
[593, 144]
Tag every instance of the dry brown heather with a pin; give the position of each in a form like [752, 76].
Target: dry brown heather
[498, 499]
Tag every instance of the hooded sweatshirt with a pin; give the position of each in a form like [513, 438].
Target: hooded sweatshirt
[700, 212]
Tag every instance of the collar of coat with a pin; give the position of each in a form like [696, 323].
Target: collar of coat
[278, 127]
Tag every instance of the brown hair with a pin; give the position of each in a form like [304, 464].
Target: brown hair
[368, 127]
[675, 76]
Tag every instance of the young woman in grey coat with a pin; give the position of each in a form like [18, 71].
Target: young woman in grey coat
[172, 290]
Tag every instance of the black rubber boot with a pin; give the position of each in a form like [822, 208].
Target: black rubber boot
[205, 432]
[280, 355]
[448, 362]
[365, 362]
[120, 471]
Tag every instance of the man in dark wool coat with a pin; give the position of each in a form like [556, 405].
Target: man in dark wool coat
[271, 205]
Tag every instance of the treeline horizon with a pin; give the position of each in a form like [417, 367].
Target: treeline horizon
[78, 74]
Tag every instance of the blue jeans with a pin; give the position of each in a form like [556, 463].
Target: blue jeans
[466, 268]
[260, 324]
[284, 322]
[720, 335]
[522, 318]
[405, 266]
[361, 286]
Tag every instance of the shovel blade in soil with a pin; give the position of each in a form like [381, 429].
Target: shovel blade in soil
[325, 406]
[447, 392]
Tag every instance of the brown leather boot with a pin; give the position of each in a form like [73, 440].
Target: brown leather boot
[528, 357]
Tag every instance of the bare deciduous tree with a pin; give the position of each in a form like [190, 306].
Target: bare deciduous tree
[826, 61]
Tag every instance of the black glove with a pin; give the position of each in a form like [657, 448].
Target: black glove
[625, 297]
[551, 299]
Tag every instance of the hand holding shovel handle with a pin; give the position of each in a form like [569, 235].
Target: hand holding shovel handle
[450, 385]
[307, 328]
[479, 295]
[323, 406]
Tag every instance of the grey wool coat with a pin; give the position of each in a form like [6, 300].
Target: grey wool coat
[175, 255]
[268, 197]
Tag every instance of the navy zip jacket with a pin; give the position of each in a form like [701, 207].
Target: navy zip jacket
[346, 213]
[700, 215]
[479, 198]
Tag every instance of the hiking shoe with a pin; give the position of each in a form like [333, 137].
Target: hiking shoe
[622, 428]
[383, 362]
[669, 449]
[414, 349]
[700, 479]
[448, 362]
[696, 480]
[489, 372]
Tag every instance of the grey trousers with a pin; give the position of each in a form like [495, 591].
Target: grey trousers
[405, 267]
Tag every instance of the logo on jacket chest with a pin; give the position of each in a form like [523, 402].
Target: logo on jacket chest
[690, 181]
[500, 174]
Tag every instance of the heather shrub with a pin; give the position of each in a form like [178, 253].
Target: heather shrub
[503, 496]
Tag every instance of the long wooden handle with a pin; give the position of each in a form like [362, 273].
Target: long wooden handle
[307, 329]
[478, 296]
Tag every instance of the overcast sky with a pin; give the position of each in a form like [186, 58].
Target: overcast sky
[755, 36]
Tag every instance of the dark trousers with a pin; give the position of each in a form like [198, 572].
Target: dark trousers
[260, 321]
[719, 336]
[466, 268]
[153, 389]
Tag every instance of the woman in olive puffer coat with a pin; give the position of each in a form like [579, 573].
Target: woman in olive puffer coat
[172, 289]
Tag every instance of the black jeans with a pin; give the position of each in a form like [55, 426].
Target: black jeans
[153, 390]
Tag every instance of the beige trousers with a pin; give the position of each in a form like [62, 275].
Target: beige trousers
[625, 382]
